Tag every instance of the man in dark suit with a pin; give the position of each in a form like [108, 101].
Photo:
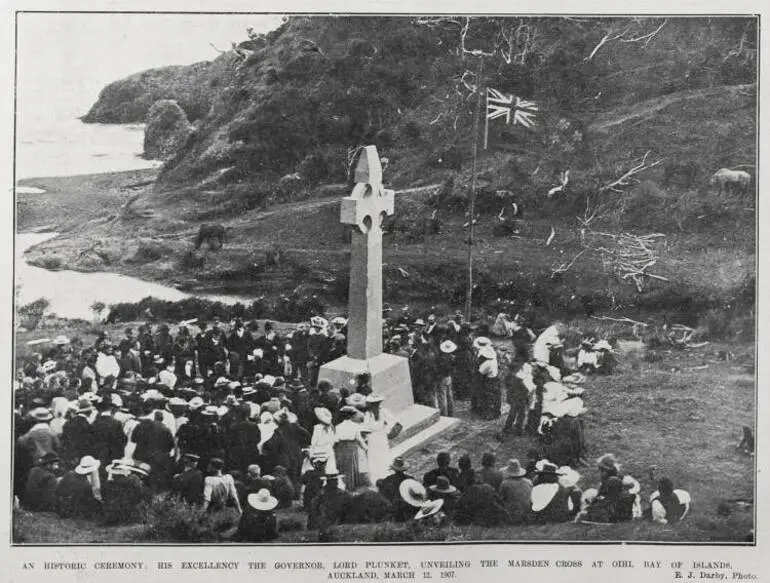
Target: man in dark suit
[77, 434]
[109, 440]
[389, 488]
[189, 482]
[443, 469]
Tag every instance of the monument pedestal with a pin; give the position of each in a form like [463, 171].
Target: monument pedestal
[391, 379]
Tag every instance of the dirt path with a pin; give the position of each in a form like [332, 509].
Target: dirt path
[652, 106]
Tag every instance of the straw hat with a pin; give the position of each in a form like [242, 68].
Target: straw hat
[515, 470]
[374, 398]
[49, 366]
[61, 339]
[419, 322]
[262, 500]
[268, 380]
[442, 486]
[413, 493]
[84, 406]
[196, 403]
[87, 465]
[429, 509]
[603, 345]
[324, 415]
[481, 341]
[447, 347]
[548, 469]
[487, 352]
[211, 410]
[356, 400]
[41, 414]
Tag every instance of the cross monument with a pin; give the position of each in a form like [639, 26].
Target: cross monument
[365, 209]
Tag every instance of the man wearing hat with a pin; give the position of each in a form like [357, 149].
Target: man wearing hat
[242, 440]
[446, 492]
[153, 442]
[389, 488]
[550, 501]
[40, 490]
[124, 492]
[40, 439]
[79, 490]
[77, 435]
[516, 492]
[258, 522]
[109, 440]
[445, 398]
[188, 484]
[443, 469]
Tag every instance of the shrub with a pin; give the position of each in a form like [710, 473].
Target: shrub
[169, 519]
[192, 260]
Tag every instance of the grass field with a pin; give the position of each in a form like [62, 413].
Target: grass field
[671, 417]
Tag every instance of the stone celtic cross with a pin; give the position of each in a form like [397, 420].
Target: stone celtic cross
[365, 209]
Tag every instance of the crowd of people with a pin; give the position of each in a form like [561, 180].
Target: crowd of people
[239, 419]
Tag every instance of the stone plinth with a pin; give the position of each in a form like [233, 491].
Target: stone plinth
[390, 378]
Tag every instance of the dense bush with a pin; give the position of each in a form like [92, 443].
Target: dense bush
[287, 308]
[169, 519]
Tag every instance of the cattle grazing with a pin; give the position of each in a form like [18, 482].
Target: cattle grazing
[731, 181]
[214, 235]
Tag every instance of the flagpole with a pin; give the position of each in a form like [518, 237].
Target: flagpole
[486, 121]
[469, 293]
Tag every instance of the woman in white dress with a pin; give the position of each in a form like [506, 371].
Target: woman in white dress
[381, 426]
[323, 438]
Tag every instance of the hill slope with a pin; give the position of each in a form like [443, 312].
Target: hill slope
[300, 98]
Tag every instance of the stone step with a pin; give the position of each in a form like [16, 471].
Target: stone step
[405, 446]
[413, 420]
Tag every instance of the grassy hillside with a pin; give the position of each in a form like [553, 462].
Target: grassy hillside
[681, 92]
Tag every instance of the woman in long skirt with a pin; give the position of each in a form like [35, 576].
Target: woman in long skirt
[350, 450]
[380, 425]
[324, 438]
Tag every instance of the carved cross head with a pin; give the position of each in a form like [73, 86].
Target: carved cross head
[369, 203]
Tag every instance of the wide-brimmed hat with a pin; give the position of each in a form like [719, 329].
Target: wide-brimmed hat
[61, 339]
[266, 417]
[568, 477]
[487, 352]
[356, 400]
[262, 500]
[481, 341]
[398, 465]
[268, 379]
[419, 322]
[157, 359]
[196, 403]
[324, 415]
[87, 465]
[153, 395]
[48, 458]
[41, 414]
[395, 339]
[84, 406]
[608, 462]
[447, 347]
[514, 469]
[339, 321]
[49, 366]
[442, 486]
[211, 410]
[413, 493]
[191, 457]
[603, 345]
[374, 398]
[429, 508]
[177, 403]
[548, 469]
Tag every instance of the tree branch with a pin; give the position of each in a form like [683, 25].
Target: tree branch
[628, 177]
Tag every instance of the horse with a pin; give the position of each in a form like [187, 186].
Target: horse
[731, 181]
[213, 234]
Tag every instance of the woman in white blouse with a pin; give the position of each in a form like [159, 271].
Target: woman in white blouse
[350, 450]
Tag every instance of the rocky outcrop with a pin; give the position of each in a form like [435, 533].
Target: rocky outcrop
[167, 131]
[129, 100]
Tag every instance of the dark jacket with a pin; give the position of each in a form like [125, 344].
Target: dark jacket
[492, 476]
[77, 437]
[257, 526]
[241, 444]
[109, 440]
[452, 473]
[154, 442]
[189, 485]
[40, 491]
[76, 498]
[516, 495]
[480, 505]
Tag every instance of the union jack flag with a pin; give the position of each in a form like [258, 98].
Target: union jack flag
[502, 105]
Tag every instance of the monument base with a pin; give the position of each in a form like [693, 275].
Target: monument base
[391, 379]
